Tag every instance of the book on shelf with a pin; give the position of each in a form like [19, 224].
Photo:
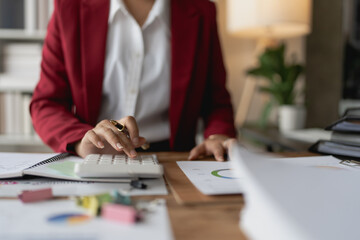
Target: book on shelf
[27, 122]
[29, 15]
[10, 82]
[15, 115]
[9, 113]
[22, 59]
[2, 114]
[345, 136]
[11, 14]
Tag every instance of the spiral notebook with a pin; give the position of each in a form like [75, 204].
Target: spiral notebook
[59, 166]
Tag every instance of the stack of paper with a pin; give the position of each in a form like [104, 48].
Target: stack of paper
[297, 201]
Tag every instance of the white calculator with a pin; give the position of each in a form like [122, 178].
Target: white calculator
[119, 166]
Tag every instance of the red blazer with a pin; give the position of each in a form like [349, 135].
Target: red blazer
[66, 101]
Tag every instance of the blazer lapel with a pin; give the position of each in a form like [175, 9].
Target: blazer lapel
[94, 25]
[184, 40]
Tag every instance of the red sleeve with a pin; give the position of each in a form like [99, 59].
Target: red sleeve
[51, 107]
[218, 111]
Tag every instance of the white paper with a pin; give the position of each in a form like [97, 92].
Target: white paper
[13, 187]
[308, 198]
[321, 162]
[13, 164]
[20, 221]
[211, 178]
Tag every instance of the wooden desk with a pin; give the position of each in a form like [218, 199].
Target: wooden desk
[210, 220]
[201, 221]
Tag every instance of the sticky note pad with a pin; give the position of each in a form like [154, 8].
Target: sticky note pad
[119, 213]
[36, 195]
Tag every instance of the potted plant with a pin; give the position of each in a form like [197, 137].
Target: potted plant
[281, 78]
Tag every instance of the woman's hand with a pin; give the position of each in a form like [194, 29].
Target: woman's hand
[106, 138]
[216, 145]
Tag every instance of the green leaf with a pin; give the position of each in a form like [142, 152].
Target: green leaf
[281, 77]
[260, 72]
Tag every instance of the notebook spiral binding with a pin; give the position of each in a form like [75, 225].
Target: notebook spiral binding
[50, 160]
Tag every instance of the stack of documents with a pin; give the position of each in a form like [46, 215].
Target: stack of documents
[308, 198]
[345, 136]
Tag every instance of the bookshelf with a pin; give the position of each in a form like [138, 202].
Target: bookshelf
[23, 26]
[20, 34]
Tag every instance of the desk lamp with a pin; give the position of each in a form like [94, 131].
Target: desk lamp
[267, 21]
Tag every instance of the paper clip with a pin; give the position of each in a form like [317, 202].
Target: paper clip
[36, 195]
[350, 163]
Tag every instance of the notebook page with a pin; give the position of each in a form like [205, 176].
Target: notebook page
[13, 164]
[65, 169]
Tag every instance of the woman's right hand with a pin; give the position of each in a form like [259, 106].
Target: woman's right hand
[106, 138]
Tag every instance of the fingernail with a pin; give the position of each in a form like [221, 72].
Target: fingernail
[221, 159]
[100, 145]
[135, 141]
[118, 145]
[133, 153]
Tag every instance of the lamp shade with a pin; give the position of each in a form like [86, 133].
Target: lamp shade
[269, 18]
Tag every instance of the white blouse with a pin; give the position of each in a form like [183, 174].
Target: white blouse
[137, 69]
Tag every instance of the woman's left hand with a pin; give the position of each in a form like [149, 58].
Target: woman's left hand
[216, 145]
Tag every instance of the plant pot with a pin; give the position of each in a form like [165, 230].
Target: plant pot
[291, 117]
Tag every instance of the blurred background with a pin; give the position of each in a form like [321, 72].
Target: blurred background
[320, 41]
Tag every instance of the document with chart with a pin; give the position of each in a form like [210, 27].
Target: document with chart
[212, 178]
[64, 219]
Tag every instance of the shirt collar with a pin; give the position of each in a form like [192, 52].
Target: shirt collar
[115, 6]
[160, 9]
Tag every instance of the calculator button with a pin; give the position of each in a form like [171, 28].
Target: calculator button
[116, 162]
[120, 157]
[147, 158]
[92, 158]
[106, 157]
[105, 161]
[133, 161]
[148, 163]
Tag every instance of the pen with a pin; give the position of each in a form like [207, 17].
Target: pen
[138, 184]
[122, 128]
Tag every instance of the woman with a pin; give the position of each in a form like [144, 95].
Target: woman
[154, 66]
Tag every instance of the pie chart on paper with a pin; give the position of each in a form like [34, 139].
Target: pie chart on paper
[69, 218]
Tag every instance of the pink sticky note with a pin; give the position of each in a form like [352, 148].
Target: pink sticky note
[36, 195]
[119, 213]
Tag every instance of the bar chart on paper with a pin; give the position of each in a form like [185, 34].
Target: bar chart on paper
[212, 178]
